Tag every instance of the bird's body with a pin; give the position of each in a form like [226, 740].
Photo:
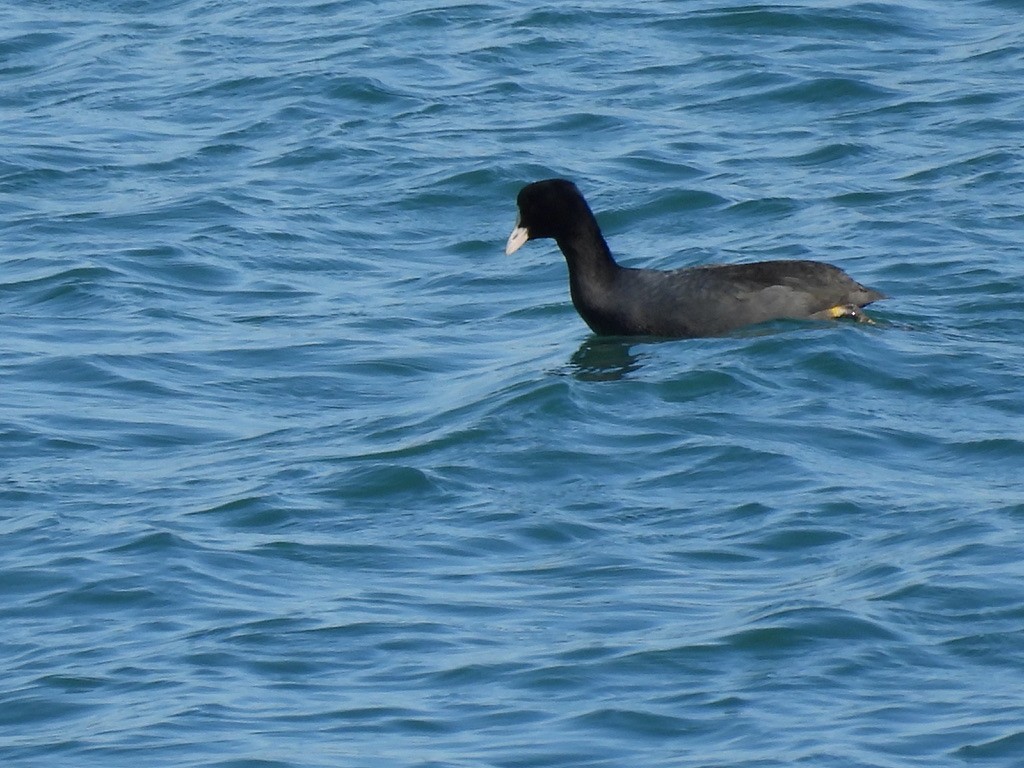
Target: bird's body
[712, 300]
[685, 303]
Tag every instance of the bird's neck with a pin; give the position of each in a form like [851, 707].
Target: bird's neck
[587, 254]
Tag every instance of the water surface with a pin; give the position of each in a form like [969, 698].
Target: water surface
[298, 470]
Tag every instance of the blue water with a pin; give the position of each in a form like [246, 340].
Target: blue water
[299, 470]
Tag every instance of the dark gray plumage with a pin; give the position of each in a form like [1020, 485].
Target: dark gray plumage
[685, 303]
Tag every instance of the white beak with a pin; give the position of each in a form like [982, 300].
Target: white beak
[515, 241]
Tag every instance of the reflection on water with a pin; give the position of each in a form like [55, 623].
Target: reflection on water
[604, 359]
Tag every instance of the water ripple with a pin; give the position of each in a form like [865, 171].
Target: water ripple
[294, 457]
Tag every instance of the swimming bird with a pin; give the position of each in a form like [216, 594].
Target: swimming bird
[684, 303]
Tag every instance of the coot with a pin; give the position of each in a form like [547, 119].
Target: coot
[685, 303]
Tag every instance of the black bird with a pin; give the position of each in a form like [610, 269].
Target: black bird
[685, 303]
